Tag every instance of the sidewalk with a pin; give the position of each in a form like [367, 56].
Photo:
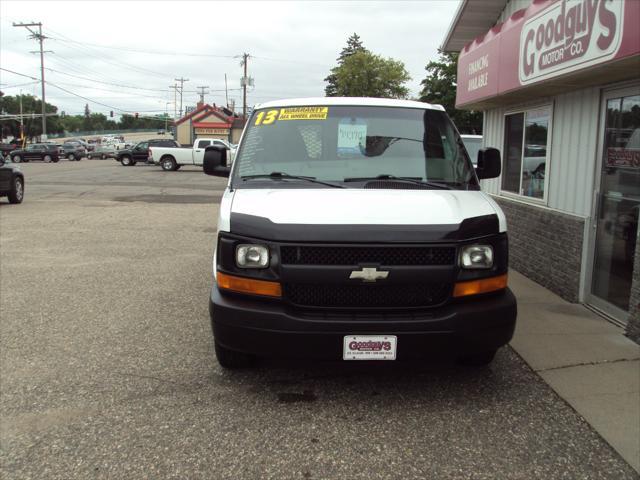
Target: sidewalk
[585, 359]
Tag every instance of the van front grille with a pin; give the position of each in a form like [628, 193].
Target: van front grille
[353, 256]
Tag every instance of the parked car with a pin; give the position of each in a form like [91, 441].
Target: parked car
[73, 151]
[11, 182]
[81, 141]
[378, 246]
[47, 152]
[140, 152]
[102, 151]
[171, 159]
[6, 148]
[473, 144]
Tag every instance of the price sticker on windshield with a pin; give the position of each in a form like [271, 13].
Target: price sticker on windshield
[295, 113]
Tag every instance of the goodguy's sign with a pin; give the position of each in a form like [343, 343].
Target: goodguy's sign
[546, 41]
[569, 35]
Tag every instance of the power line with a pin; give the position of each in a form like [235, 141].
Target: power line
[82, 47]
[19, 85]
[133, 50]
[107, 83]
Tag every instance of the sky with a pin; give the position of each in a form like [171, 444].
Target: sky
[100, 50]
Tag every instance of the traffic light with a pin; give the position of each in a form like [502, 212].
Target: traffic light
[136, 114]
[111, 113]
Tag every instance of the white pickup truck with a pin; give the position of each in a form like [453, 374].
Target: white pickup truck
[171, 159]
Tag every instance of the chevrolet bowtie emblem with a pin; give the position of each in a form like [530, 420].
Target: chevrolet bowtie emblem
[369, 274]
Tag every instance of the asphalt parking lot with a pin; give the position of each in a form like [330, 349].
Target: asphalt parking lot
[108, 371]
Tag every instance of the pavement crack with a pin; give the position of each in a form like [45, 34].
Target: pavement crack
[586, 364]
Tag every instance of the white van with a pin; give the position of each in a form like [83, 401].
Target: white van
[355, 229]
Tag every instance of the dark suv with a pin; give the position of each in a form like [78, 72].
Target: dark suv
[11, 182]
[140, 153]
[73, 151]
[47, 152]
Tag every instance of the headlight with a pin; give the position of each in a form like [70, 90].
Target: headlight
[252, 256]
[476, 256]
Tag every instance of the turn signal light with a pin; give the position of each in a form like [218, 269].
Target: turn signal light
[484, 285]
[248, 285]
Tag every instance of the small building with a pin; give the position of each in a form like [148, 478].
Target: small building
[559, 84]
[208, 121]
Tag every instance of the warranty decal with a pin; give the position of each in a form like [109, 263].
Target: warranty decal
[295, 113]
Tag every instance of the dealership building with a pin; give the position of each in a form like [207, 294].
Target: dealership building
[559, 84]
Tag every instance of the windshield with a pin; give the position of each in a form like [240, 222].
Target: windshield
[353, 142]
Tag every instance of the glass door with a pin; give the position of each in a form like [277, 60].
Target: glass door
[618, 203]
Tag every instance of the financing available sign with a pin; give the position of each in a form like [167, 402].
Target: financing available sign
[570, 35]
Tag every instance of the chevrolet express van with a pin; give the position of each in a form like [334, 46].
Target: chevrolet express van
[355, 229]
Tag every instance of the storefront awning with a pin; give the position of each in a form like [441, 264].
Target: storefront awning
[473, 18]
[549, 48]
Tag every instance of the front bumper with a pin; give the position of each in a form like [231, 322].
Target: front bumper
[269, 329]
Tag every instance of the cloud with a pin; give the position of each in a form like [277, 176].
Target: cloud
[293, 46]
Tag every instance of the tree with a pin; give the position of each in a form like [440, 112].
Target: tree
[32, 125]
[364, 74]
[354, 45]
[439, 87]
[86, 110]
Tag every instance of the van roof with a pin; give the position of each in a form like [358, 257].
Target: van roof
[348, 101]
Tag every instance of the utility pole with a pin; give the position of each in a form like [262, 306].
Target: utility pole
[226, 90]
[38, 36]
[202, 93]
[21, 123]
[166, 116]
[175, 100]
[245, 81]
[181, 80]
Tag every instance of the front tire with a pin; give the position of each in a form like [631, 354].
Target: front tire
[47, 159]
[16, 194]
[16, 159]
[71, 157]
[230, 359]
[478, 359]
[103, 157]
[125, 161]
[168, 164]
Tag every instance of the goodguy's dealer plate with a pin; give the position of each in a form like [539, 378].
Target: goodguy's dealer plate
[369, 347]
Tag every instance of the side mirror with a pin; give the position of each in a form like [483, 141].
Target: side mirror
[215, 162]
[489, 163]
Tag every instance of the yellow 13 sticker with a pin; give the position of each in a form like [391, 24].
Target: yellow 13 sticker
[267, 118]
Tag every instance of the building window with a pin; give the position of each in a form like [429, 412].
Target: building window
[526, 152]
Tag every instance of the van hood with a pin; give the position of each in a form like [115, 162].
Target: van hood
[417, 209]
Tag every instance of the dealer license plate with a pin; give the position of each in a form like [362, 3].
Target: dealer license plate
[369, 347]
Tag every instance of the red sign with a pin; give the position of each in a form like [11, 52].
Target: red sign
[623, 157]
[548, 39]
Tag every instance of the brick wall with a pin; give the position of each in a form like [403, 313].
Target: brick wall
[545, 246]
[633, 327]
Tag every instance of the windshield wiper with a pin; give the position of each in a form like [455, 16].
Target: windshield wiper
[282, 175]
[417, 181]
